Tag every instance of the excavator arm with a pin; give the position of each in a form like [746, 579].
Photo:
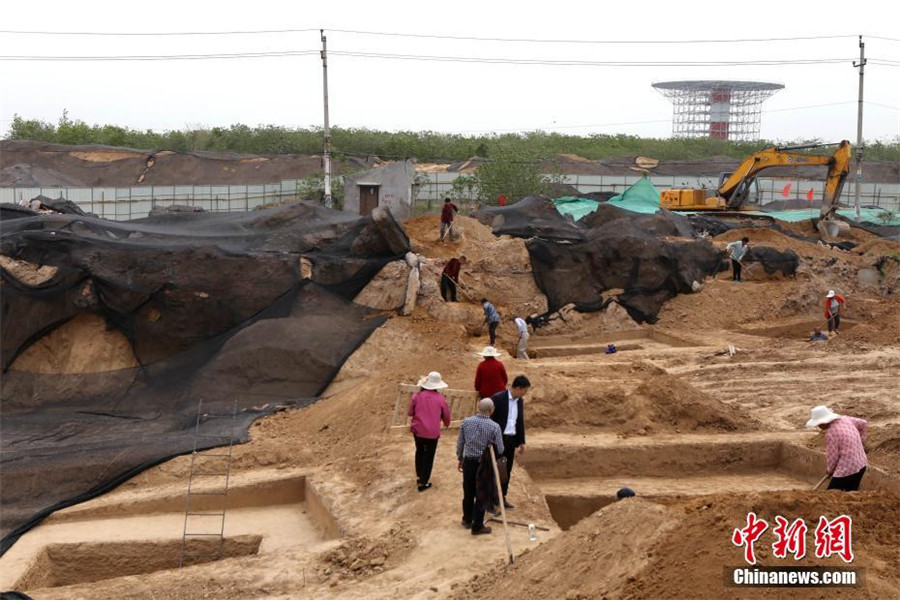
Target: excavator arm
[736, 187]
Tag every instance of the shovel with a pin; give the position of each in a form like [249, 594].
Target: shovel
[821, 481]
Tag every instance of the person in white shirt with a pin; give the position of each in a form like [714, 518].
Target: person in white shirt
[522, 346]
[509, 414]
[737, 251]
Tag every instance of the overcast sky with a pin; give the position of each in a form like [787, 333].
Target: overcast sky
[465, 97]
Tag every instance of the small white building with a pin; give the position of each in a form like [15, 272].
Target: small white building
[390, 186]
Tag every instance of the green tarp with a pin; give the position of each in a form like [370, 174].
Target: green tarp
[642, 197]
[577, 207]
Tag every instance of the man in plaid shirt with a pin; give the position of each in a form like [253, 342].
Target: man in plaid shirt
[475, 435]
[845, 456]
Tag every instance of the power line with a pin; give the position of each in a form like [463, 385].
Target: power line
[565, 41]
[433, 58]
[530, 61]
[156, 33]
[234, 55]
[433, 36]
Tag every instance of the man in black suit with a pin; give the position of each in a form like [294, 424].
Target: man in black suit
[509, 414]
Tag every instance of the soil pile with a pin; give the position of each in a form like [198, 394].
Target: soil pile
[361, 558]
[591, 560]
[37, 164]
[655, 403]
[83, 345]
[688, 561]
[499, 269]
[638, 549]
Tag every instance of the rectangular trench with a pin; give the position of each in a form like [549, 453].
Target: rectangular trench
[578, 480]
[104, 538]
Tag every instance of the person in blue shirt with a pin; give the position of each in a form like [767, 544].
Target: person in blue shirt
[492, 318]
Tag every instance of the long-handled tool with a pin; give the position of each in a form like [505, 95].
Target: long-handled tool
[502, 505]
[458, 287]
[821, 481]
[521, 524]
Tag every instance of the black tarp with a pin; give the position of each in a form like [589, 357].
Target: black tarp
[215, 308]
[650, 257]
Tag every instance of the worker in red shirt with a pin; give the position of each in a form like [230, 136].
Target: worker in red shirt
[447, 213]
[834, 307]
[450, 278]
[490, 376]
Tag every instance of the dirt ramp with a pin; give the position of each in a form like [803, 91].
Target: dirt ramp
[633, 400]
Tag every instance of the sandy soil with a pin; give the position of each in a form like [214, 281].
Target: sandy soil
[708, 426]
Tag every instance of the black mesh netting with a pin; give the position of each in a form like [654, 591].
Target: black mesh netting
[649, 258]
[215, 308]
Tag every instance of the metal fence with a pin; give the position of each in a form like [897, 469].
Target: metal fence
[135, 202]
[885, 195]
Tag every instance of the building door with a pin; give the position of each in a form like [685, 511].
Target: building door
[368, 198]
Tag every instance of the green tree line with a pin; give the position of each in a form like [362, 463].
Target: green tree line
[421, 145]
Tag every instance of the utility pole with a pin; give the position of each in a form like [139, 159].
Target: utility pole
[859, 125]
[327, 199]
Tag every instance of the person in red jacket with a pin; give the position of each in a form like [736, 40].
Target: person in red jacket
[834, 307]
[490, 376]
[450, 278]
[447, 213]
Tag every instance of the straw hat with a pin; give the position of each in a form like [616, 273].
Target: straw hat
[432, 382]
[488, 351]
[821, 415]
[830, 294]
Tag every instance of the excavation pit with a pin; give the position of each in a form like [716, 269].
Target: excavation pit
[643, 339]
[69, 564]
[141, 533]
[579, 479]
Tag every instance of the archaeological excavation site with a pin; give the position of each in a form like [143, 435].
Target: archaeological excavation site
[216, 404]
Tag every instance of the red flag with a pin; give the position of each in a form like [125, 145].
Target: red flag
[809, 195]
[786, 191]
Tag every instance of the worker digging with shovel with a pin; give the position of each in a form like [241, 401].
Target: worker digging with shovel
[736, 252]
[450, 282]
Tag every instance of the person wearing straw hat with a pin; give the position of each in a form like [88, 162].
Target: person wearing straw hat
[428, 408]
[845, 456]
[834, 308]
[490, 376]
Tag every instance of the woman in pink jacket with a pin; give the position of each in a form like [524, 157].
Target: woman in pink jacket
[428, 408]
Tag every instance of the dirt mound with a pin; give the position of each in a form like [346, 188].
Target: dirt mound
[360, 558]
[883, 444]
[687, 562]
[499, 269]
[878, 247]
[26, 272]
[660, 403]
[638, 549]
[83, 345]
[567, 566]
[37, 164]
[770, 237]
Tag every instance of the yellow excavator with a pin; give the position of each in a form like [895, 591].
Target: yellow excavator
[734, 188]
